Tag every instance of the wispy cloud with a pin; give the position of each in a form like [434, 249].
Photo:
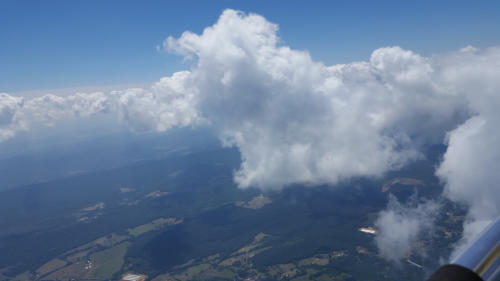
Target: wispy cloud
[401, 225]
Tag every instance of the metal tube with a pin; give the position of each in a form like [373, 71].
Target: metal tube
[483, 255]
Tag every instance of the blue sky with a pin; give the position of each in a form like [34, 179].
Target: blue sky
[64, 44]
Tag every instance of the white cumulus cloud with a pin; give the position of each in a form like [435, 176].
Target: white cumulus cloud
[470, 165]
[401, 225]
[298, 121]
[170, 102]
[8, 108]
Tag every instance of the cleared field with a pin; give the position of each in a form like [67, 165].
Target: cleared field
[50, 266]
[109, 261]
[321, 259]
[101, 265]
[158, 223]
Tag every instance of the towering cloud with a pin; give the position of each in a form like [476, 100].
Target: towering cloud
[296, 120]
[470, 165]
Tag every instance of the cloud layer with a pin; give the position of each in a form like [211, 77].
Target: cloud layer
[296, 120]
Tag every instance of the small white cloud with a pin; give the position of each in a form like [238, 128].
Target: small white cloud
[468, 48]
[400, 226]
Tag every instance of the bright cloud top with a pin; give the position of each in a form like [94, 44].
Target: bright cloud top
[296, 120]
